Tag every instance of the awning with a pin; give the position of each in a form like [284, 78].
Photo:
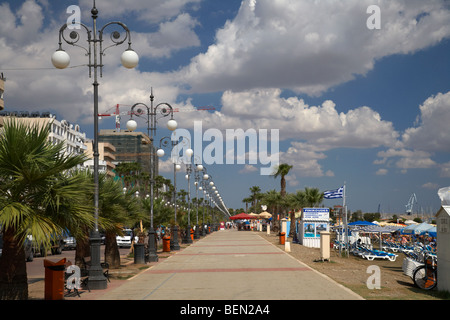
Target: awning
[362, 223]
[417, 228]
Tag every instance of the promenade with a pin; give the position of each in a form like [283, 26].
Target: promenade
[228, 265]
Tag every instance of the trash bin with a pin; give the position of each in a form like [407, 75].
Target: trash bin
[282, 237]
[166, 243]
[192, 234]
[54, 279]
[139, 253]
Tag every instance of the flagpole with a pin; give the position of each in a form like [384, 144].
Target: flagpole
[334, 194]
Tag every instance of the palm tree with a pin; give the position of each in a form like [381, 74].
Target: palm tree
[282, 170]
[313, 196]
[296, 201]
[247, 201]
[272, 199]
[255, 196]
[38, 197]
[116, 210]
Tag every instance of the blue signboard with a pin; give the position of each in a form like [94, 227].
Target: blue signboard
[316, 213]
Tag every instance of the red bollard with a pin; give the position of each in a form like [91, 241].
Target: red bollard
[54, 279]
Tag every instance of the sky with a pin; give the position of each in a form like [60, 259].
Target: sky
[349, 94]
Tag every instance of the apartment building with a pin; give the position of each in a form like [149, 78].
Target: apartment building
[60, 131]
[106, 157]
[131, 146]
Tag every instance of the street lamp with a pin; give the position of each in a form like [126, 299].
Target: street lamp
[61, 60]
[152, 112]
[198, 168]
[188, 176]
[174, 244]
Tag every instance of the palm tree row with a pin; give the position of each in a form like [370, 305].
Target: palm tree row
[44, 194]
[282, 201]
[291, 202]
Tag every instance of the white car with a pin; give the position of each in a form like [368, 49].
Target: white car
[70, 243]
[125, 240]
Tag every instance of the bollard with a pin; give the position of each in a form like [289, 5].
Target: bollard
[325, 245]
[54, 279]
[287, 246]
[139, 253]
[282, 237]
[166, 243]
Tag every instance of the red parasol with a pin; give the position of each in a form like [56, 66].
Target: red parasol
[243, 216]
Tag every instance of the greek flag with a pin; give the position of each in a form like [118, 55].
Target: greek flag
[334, 194]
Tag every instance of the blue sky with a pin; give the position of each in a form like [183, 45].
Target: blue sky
[369, 108]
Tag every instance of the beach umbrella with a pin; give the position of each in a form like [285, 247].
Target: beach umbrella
[409, 229]
[423, 227]
[265, 215]
[431, 232]
[241, 216]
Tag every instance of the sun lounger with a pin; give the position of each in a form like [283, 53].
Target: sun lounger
[376, 254]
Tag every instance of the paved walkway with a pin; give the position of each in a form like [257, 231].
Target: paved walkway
[229, 265]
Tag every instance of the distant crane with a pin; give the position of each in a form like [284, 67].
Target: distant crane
[118, 114]
[410, 204]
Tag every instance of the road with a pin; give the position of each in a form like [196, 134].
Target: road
[36, 270]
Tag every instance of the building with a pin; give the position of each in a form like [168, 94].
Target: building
[106, 157]
[60, 131]
[131, 146]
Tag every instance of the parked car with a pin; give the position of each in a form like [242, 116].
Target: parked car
[70, 243]
[29, 252]
[125, 240]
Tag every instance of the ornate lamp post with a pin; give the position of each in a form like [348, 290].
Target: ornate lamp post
[95, 53]
[206, 196]
[165, 110]
[164, 142]
[188, 238]
[199, 168]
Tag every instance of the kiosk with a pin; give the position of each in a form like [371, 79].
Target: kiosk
[443, 239]
[312, 223]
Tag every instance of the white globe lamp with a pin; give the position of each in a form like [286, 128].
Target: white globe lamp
[60, 59]
[160, 153]
[171, 125]
[131, 125]
[129, 59]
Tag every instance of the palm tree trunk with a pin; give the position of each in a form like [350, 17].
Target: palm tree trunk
[13, 270]
[112, 254]
[82, 251]
[292, 228]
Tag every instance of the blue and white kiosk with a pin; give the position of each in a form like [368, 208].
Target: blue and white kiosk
[313, 221]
